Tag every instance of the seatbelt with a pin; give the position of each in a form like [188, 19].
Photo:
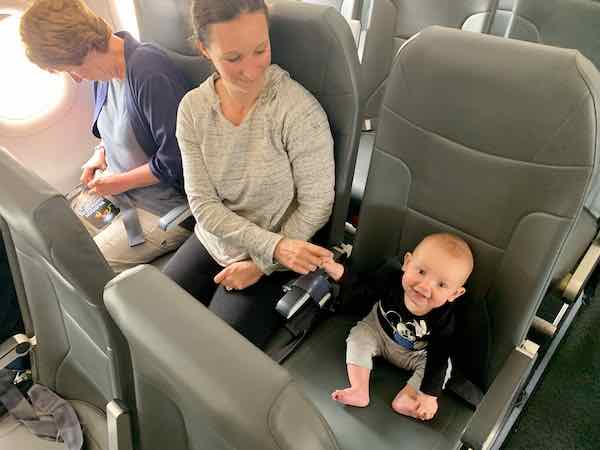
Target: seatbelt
[299, 327]
[305, 303]
[131, 220]
[48, 416]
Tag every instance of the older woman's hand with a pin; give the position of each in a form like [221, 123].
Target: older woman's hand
[108, 185]
[96, 162]
[300, 256]
[238, 275]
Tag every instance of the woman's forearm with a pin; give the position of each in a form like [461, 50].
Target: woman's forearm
[137, 178]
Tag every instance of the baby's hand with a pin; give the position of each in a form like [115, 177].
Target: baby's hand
[428, 406]
[333, 269]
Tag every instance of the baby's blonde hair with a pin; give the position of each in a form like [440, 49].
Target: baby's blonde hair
[62, 32]
[454, 245]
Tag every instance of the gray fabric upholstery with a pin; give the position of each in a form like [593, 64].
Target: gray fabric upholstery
[319, 366]
[392, 22]
[404, 18]
[502, 160]
[562, 23]
[80, 353]
[15, 436]
[567, 24]
[314, 44]
[199, 384]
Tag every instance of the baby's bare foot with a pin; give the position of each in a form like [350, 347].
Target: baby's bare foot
[351, 397]
[406, 406]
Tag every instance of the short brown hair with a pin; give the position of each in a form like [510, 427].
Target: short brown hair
[62, 32]
[209, 12]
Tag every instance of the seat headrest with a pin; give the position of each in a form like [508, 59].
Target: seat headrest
[305, 38]
[166, 23]
[315, 45]
[470, 89]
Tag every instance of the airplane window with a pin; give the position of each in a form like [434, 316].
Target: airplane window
[126, 13]
[27, 92]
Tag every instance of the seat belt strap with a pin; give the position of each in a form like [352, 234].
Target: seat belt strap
[56, 420]
[131, 220]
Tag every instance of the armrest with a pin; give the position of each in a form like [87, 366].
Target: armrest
[174, 217]
[201, 379]
[584, 270]
[15, 347]
[495, 406]
[119, 426]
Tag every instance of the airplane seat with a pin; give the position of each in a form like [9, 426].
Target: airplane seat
[447, 164]
[388, 24]
[201, 385]
[567, 24]
[561, 23]
[59, 276]
[186, 397]
[332, 78]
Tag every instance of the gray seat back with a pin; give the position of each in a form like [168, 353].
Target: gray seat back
[59, 270]
[567, 24]
[315, 45]
[501, 158]
[199, 384]
[395, 21]
[561, 23]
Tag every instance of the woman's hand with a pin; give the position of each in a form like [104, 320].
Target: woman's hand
[108, 185]
[300, 256]
[96, 162]
[334, 270]
[238, 275]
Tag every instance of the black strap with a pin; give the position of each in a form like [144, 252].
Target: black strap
[299, 327]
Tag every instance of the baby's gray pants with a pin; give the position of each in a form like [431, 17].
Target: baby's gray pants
[368, 339]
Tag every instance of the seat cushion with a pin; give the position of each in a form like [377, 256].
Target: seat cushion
[15, 436]
[162, 260]
[93, 423]
[319, 365]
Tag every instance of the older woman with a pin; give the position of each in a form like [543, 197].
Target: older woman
[137, 91]
[257, 156]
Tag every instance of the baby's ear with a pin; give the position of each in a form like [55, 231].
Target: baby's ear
[460, 291]
[406, 261]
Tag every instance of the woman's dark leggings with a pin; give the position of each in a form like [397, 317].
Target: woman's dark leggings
[250, 311]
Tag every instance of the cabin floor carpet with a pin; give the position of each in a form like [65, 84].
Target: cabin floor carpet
[564, 411]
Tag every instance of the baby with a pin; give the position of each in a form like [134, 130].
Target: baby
[411, 323]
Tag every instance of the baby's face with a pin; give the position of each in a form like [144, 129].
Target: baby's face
[431, 278]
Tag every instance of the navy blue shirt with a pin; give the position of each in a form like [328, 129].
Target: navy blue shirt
[154, 88]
